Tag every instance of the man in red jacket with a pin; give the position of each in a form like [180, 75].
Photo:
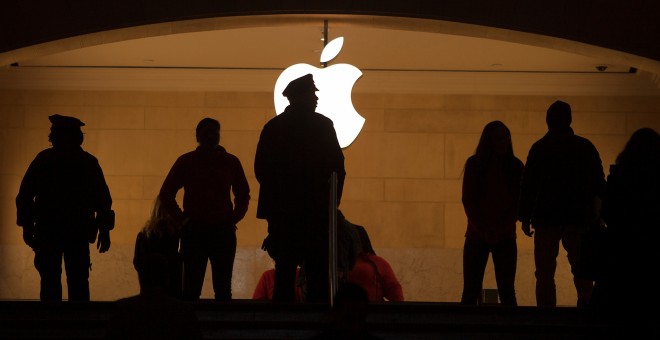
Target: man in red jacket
[208, 175]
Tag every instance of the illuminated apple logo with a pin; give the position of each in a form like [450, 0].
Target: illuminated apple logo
[335, 84]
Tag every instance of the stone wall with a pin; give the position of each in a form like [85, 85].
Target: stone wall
[403, 173]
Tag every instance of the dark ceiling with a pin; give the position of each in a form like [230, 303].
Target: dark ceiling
[630, 26]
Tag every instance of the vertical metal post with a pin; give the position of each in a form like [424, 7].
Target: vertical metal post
[332, 239]
[325, 38]
[332, 228]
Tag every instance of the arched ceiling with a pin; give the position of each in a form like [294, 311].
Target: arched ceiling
[625, 33]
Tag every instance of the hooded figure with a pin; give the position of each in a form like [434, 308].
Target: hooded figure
[558, 116]
[561, 184]
[216, 195]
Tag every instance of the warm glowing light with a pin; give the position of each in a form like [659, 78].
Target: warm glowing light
[335, 84]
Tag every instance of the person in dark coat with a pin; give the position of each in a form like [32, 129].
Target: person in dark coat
[561, 185]
[296, 154]
[631, 204]
[491, 188]
[209, 176]
[62, 204]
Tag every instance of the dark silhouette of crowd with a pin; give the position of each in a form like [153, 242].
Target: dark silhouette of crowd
[559, 195]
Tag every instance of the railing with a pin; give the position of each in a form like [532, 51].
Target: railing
[332, 238]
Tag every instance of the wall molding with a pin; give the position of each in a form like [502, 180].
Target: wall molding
[373, 81]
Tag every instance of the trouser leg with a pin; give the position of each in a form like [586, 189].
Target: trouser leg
[546, 249]
[505, 257]
[48, 262]
[76, 264]
[475, 258]
[584, 287]
[222, 264]
[316, 265]
[194, 265]
[283, 246]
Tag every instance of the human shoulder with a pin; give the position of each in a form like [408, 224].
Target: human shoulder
[323, 118]
[583, 140]
[473, 163]
[186, 156]
[472, 160]
[89, 157]
[230, 156]
[45, 153]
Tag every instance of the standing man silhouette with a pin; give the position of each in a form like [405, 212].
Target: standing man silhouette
[62, 204]
[209, 175]
[562, 180]
[296, 154]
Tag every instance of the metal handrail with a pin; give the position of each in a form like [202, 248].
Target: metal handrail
[332, 239]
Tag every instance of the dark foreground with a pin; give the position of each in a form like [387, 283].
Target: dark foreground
[246, 319]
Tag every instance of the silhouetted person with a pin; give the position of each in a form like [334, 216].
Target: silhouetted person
[373, 273]
[348, 316]
[627, 289]
[563, 178]
[209, 176]
[491, 189]
[296, 154]
[153, 314]
[62, 204]
[348, 246]
[160, 235]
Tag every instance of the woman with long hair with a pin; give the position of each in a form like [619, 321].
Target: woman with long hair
[491, 186]
[160, 234]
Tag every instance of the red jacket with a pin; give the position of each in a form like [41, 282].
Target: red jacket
[266, 286]
[208, 178]
[376, 276]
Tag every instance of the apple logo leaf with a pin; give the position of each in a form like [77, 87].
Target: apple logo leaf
[331, 50]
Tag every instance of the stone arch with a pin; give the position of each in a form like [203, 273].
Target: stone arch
[369, 21]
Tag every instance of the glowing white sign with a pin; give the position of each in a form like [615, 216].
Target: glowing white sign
[335, 84]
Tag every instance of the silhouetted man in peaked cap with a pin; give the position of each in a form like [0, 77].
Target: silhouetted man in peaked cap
[62, 204]
[296, 154]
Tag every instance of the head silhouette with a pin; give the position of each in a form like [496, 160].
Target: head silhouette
[208, 133]
[301, 92]
[365, 242]
[65, 131]
[642, 147]
[160, 223]
[558, 116]
[495, 141]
